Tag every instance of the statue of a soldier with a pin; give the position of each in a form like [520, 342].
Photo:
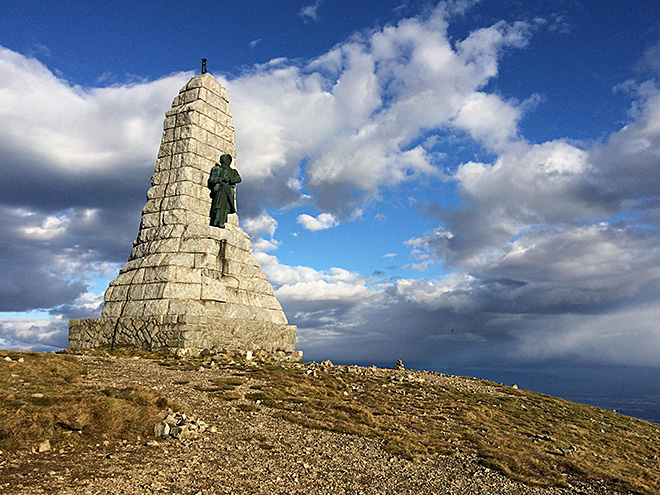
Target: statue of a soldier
[222, 184]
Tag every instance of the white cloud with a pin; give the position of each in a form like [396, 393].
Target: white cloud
[280, 274]
[320, 290]
[480, 49]
[324, 304]
[372, 95]
[322, 222]
[256, 227]
[49, 228]
[74, 129]
[265, 245]
[262, 224]
[489, 120]
[453, 291]
[310, 12]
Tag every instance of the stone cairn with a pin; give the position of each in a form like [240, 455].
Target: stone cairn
[179, 425]
[188, 286]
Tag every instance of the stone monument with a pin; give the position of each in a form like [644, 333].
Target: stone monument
[189, 285]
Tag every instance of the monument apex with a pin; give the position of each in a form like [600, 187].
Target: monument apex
[187, 284]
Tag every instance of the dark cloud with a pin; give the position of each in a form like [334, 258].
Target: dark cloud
[26, 286]
[627, 164]
[585, 294]
[408, 332]
[24, 183]
[35, 335]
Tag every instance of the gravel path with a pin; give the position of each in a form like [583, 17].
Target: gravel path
[246, 453]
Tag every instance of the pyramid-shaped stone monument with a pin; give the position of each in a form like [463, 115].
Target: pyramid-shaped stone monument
[189, 285]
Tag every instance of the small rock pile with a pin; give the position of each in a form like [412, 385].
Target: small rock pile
[178, 425]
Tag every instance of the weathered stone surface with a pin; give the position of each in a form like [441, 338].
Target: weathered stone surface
[187, 284]
[182, 331]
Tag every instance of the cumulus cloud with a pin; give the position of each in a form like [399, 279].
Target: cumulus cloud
[257, 227]
[327, 306]
[322, 222]
[260, 225]
[489, 119]
[70, 129]
[374, 95]
[281, 274]
[264, 245]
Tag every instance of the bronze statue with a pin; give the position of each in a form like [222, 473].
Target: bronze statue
[223, 191]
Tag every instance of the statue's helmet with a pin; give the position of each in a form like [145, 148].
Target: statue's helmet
[226, 159]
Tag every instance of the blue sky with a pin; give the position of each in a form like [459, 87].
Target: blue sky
[461, 185]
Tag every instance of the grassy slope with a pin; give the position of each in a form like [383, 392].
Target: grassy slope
[42, 398]
[528, 436]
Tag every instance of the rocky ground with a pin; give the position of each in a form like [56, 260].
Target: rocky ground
[245, 450]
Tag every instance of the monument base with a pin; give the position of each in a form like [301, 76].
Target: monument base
[190, 334]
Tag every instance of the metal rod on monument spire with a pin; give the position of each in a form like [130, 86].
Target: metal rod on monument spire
[203, 66]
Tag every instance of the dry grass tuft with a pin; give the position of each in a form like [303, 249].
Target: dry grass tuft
[42, 398]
